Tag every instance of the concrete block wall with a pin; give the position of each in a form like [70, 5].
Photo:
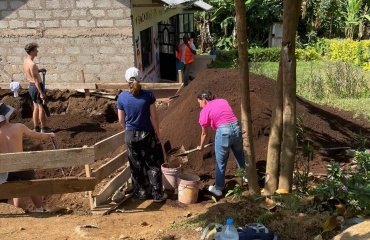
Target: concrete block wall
[73, 35]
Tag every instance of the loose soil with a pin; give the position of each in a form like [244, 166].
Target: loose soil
[80, 121]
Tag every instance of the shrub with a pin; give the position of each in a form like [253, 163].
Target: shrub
[350, 186]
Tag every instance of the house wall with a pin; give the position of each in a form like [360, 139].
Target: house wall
[149, 17]
[73, 35]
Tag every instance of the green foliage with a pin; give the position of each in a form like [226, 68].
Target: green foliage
[309, 54]
[335, 80]
[356, 52]
[350, 186]
[264, 54]
[302, 164]
[265, 218]
[361, 141]
[225, 59]
[238, 189]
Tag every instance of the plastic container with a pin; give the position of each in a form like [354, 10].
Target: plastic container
[188, 188]
[229, 231]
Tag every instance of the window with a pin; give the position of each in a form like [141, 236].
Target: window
[146, 47]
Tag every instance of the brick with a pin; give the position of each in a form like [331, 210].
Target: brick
[60, 13]
[3, 5]
[43, 14]
[84, 4]
[68, 23]
[120, 4]
[51, 24]
[26, 13]
[82, 59]
[122, 23]
[16, 24]
[89, 49]
[97, 12]
[15, 4]
[68, 4]
[55, 50]
[103, 4]
[47, 59]
[78, 12]
[85, 23]
[106, 77]
[31, 24]
[4, 24]
[107, 50]
[50, 4]
[94, 68]
[34, 4]
[68, 77]
[13, 59]
[63, 59]
[104, 23]
[9, 14]
[115, 13]
[72, 50]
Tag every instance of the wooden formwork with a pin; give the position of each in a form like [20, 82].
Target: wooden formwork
[22, 161]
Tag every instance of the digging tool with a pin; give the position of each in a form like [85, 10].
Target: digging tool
[55, 147]
[192, 150]
[45, 101]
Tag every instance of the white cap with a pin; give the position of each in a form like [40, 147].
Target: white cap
[132, 72]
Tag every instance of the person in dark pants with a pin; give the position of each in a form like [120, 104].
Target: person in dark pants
[185, 54]
[137, 114]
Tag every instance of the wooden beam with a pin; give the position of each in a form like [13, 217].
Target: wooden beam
[152, 86]
[109, 145]
[110, 167]
[41, 187]
[61, 86]
[112, 186]
[90, 197]
[91, 86]
[12, 162]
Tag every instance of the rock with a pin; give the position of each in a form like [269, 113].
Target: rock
[358, 231]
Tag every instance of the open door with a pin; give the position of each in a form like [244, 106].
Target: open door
[167, 51]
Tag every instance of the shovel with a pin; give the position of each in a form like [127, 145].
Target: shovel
[192, 150]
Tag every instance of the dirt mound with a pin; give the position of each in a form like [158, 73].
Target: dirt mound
[80, 121]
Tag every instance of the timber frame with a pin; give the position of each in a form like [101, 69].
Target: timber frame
[22, 161]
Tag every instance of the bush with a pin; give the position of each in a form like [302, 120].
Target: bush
[349, 186]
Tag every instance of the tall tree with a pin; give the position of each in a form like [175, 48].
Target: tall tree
[246, 119]
[282, 142]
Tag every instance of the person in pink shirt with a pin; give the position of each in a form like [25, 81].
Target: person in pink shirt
[217, 114]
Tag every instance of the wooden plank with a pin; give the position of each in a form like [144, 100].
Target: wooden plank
[87, 92]
[41, 187]
[110, 167]
[108, 145]
[66, 85]
[12, 162]
[151, 86]
[112, 186]
[90, 197]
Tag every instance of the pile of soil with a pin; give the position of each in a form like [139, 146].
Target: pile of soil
[79, 120]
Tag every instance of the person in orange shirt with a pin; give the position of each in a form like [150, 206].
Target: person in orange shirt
[185, 54]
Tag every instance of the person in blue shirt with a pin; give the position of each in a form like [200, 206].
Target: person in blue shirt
[137, 114]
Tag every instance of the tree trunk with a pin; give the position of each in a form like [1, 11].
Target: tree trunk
[290, 23]
[246, 120]
[274, 145]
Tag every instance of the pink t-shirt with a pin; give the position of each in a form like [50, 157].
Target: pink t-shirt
[216, 113]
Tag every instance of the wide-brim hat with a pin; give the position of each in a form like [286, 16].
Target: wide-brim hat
[132, 72]
[5, 111]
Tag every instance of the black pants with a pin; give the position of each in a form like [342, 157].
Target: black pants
[145, 156]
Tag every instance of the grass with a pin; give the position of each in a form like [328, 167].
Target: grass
[307, 71]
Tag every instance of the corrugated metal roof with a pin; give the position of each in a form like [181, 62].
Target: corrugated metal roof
[202, 5]
[174, 2]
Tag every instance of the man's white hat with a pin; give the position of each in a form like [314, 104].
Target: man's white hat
[5, 112]
[132, 72]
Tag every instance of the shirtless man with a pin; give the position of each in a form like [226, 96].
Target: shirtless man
[36, 88]
[11, 140]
